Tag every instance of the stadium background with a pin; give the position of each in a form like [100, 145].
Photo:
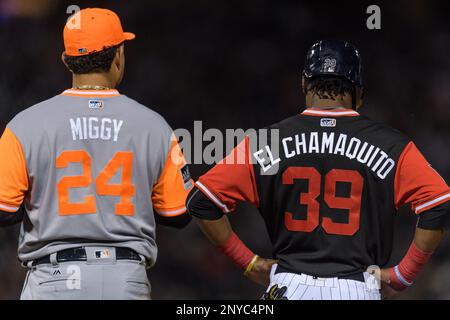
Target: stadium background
[236, 64]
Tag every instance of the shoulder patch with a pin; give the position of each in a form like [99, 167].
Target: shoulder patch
[186, 177]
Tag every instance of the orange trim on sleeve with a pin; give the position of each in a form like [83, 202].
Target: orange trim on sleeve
[171, 212]
[170, 192]
[13, 173]
[417, 183]
[8, 208]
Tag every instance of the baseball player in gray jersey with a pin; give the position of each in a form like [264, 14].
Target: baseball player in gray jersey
[91, 167]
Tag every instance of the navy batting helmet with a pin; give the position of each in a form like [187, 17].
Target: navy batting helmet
[334, 58]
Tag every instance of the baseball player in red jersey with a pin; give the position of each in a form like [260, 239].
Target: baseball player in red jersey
[328, 187]
[95, 171]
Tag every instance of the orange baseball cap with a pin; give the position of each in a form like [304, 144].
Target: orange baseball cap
[91, 30]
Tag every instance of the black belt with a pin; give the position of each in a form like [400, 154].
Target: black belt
[359, 276]
[79, 254]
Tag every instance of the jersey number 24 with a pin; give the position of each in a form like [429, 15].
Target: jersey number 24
[125, 190]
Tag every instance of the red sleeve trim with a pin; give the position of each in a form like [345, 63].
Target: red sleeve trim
[231, 180]
[432, 203]
[417, 183]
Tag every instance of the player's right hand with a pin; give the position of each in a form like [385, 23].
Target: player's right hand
[260, 272]
[275, 293]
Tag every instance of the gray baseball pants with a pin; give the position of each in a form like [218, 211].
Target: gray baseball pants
[98, 278]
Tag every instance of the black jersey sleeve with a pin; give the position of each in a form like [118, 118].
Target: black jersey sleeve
[200, 206]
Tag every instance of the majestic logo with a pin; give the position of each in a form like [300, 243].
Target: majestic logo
[329, 65]
[186, 177]
[96, 104]
[327, 122]
[57, 272]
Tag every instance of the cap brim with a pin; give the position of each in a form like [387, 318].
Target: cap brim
[129, 36]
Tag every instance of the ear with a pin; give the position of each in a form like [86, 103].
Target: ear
[118, 57]
[359, 97]
[64, 60]
[303, 86]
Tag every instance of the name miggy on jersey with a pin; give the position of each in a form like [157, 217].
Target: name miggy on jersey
[328, 143]
[94, 128]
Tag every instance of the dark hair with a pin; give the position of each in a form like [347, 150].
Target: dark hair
[99, 61]
[329, 87]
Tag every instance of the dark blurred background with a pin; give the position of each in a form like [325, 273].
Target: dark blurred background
[236, 64]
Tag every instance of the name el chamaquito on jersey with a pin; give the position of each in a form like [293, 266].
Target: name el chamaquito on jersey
[328, 143]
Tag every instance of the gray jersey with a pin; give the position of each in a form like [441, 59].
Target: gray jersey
[91, 167]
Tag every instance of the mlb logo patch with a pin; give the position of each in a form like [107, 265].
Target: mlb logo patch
[103, 254]
[327, 122]
[96, 104]
[186, 177]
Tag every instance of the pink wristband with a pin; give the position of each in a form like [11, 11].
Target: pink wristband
[403, 274]
[237, 251]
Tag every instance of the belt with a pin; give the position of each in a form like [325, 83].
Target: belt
[79, 254]
[359, 276]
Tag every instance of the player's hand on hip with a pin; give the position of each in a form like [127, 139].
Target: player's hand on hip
[259, 271]
[275, 293]
[387, 292]
[384, 275]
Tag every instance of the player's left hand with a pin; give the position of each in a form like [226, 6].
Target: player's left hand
[260, 272]
[387, 291]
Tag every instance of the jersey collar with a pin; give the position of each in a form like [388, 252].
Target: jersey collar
[319, 112]
[91, 93]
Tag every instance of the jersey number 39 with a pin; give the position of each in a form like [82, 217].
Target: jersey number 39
[125, 190]
[351, 203]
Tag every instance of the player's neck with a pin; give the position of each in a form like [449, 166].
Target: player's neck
[93, 79]
[313, 101]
